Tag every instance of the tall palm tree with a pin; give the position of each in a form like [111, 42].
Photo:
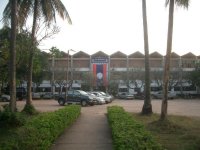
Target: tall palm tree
[171, 3]
[40, 9]
[12, 68]
[147, 107]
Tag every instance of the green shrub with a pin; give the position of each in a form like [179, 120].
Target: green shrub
[127, 133]
[10, 119]
[41, 131]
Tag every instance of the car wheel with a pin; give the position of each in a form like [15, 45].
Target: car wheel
[83, 103]
[61, 101]
[92, 104]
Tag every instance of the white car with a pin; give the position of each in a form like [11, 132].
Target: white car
[159, 95]
[5, 98]
[98, 94]
[100, 100]
[107, 95]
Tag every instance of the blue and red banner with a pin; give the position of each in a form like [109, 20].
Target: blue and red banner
[100, 74]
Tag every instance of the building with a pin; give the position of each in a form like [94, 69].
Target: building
[99, 71]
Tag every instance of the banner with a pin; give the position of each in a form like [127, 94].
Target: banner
[100, 74]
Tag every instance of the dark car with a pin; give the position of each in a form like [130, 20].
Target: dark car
[20, 93]
[76, 97]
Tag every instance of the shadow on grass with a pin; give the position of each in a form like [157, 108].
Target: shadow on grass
[165, 126]
[176, 133]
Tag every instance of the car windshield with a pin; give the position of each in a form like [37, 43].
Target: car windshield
[83, 92]
[103, 93]
[100, 93]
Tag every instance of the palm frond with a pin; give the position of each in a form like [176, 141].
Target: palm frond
[179, 3]
[61, 10]
[182, 3]
[167, 3]
[7, 14]
[25, 9]
[47, 11]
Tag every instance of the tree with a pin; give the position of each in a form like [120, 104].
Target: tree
[171, 3]
[194, 76]
[40, 9]
[41, 67]
[23, 43]
[12, 67]
[147, 107]
[55, 52]
[4, 55]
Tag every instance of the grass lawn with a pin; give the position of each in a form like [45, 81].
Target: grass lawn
[178, 133]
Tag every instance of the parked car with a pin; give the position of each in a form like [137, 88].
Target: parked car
[20, 94]
[107, 95]
[76, 97]
[5, 98]
[100, 100]
[98, 94]
[35, 95]
[159, 95]
[126, 96]
[47, 95]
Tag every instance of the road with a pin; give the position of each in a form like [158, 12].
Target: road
[176, 107]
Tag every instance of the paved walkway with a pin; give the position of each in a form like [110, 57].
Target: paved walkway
[89, 132]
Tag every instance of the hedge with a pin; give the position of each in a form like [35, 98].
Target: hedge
[41, 131]
[127, 133]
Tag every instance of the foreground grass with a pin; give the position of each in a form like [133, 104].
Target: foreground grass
[178, 133]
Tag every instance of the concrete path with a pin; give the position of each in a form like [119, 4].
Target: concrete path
[89, 132]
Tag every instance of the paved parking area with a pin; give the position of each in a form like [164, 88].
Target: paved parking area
[178, 106]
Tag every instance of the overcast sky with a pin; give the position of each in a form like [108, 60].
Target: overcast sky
[116, 25]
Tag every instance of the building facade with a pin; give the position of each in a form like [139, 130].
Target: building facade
[99, 70]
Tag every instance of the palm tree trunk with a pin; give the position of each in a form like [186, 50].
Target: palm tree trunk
[13, 55]
[32, 49]
[147, 107]
[167, 62]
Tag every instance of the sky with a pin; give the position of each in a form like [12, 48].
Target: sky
[116, 25]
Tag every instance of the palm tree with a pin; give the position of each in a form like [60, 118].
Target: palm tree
[184, 3]
[147, 107]
[12, 67]
[39, 8]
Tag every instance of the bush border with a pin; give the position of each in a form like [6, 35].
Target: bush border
[127, 133]
[42, 130]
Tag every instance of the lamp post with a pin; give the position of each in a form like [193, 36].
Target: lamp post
[68, 71]
[68, 63]
[52, 79]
